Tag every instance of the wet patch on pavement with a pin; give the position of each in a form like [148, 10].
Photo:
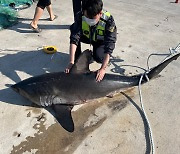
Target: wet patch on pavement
[55, 139]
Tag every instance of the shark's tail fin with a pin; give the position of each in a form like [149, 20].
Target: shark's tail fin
[157, 69]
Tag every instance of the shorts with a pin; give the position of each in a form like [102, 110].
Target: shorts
[43, 3]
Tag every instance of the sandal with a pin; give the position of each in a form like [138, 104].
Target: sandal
[55, 17]
[36, 30]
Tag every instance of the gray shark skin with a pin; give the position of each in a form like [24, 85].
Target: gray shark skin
[62, 91]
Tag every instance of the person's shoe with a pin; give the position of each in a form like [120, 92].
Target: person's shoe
[55, 17]
[36, 30]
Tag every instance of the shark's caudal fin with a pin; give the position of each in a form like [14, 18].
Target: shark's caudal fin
[157, 69]
[63, 116]
[82, 63]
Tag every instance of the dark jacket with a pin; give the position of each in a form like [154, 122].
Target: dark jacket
[109, 37]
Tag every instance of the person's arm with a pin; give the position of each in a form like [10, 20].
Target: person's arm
[72, 50]
[109, 42]
[101, 72]
[74, 40]
[110, 36]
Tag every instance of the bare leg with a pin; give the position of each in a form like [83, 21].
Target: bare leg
[49, 9]
[37, 16]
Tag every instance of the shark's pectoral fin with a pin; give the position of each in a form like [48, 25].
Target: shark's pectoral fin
[63, 116]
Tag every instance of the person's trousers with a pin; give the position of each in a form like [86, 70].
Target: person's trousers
[76, 6]
[97, 53]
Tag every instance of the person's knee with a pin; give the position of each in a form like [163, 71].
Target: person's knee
[98, 57]
[98, 53]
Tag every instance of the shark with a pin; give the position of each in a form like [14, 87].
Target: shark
[62, 91]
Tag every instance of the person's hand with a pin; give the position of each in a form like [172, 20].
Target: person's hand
[100, 74]
[68, 67]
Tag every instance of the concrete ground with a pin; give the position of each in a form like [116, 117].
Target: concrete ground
[109, 125]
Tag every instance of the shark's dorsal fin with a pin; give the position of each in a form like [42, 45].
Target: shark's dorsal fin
[82, 63]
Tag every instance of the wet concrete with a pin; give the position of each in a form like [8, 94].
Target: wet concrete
[55, 139]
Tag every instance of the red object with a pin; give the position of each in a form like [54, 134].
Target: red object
[176, 1]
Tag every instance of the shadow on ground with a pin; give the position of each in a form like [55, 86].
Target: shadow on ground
[30, 62]
[15, 65]
[146, 128]
[22, 27]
